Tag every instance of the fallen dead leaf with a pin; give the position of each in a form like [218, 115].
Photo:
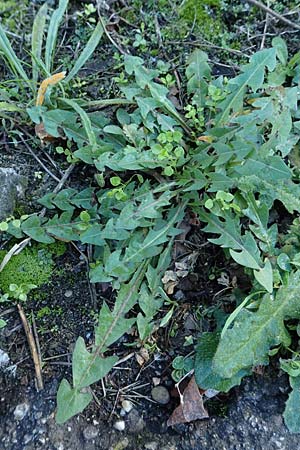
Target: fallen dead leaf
[191, 406]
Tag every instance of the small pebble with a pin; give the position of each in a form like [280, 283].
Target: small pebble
[90, 432]
[4, 358]
[151, 445]
[120, 445]
[119, 425]
[68, 293]
[210, 393]
[20, 411]
[135, 421]
[156, 381]
[160, 394]
[127, 406]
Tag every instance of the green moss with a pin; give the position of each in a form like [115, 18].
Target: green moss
[205, 16]
[58, 248]
[9, 11]
[32, 266]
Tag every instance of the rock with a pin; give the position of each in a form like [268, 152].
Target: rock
[120, 445]
[12, 186]
[136, 423]
[151, 445]
[68, 293]
[20, 411]
[119, 425]
[160, 394]
[127, 406]
[4, 359]
[90, 432]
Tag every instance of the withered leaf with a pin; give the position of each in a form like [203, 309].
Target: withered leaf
[191, 406]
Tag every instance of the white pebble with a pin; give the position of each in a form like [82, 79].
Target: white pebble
[68, 293]
[21, 411]
[119, 425]
[127, 406]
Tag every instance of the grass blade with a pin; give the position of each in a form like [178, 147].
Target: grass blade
[84, 119]
[38, 30]
[12, 59]
[55, 21]
[87, 51]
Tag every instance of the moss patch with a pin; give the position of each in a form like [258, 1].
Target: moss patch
[32, 266]
[206, 16]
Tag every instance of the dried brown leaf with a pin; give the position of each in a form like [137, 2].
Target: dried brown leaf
[191, 406]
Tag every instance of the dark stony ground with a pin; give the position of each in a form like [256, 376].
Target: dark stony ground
[253, 422]
[252, 415]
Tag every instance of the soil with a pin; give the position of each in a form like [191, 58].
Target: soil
[248, 418]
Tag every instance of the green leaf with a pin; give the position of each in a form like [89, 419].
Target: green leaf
[70, 402]
[265, 276]
[93, 235]
[63, 198]
[198, 73]
[206, 377]
[62, 227]
[37, 36]
[86, 52]
[252, 76]
[254, 333]
[55, 21]
[281, 49]
[286, 191]
[243, 248]
[271, 168]
[97, 366]
[108, 324]
[33, 228]
[292, 407]
[249, 255]
[86, 122]
[12, 59]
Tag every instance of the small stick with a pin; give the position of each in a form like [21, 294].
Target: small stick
[274, 13]
[107, 33]
[33, 348]
[38, 160]
[262, 44]
[158, 32]
[36, 338]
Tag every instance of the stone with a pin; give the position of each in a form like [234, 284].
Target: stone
[127, 406]
[20, 411]
[12, 186]
[90, 432]
[119, 425]
[151, 445]
[135, 420]
[4, 358]
[68, 293]
[161, 395]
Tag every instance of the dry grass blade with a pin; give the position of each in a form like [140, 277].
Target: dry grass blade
[17, 248]
[11, 57]
[38, 30]
[87, 51]
[55, 21]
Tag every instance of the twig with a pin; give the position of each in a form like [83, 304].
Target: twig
[36, 339]
[107, 33]
[262, 44]
[158, 32]
[33, 348]
[38, 160]
[274, 13]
